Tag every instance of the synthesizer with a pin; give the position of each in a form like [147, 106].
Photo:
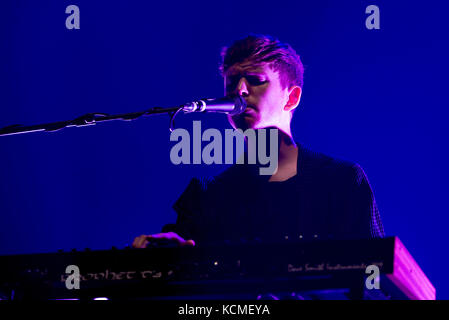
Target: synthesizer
[320, 269]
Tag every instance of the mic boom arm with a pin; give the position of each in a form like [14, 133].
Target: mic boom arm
[225, 105]
[85, 120]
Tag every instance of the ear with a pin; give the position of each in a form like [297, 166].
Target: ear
[294, 96]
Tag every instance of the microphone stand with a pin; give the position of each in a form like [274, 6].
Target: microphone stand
[88, 120]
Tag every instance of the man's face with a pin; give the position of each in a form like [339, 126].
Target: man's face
[261, 88]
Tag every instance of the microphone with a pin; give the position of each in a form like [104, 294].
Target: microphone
[229, 105]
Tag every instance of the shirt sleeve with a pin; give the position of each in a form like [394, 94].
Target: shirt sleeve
[188, 209]
[365, 203]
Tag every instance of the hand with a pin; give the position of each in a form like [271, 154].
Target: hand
[143, 240]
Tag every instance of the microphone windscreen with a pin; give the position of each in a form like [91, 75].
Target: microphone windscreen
[240, 105]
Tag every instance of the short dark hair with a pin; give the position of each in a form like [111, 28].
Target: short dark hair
[261, 49]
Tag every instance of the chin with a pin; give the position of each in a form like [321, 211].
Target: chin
[243, 121]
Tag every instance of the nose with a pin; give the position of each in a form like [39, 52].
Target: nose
[242, 87]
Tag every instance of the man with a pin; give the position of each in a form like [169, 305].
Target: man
[310, 196]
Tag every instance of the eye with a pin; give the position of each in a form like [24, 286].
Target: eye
[255, 80]
[252, 80]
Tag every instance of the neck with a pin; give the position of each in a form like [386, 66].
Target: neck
[286, 145]
[287, 157]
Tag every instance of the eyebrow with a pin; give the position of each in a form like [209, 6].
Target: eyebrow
[248, 70]
[246, 73]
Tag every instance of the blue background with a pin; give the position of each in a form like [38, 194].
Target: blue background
[375, 97]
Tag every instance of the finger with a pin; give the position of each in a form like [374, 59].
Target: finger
[136, 242]
[188, 243]
[144, 243]
[140, 242]
[164, 235]
[179, 239]
[170, 236]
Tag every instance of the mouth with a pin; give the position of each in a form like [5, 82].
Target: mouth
[249, 109]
